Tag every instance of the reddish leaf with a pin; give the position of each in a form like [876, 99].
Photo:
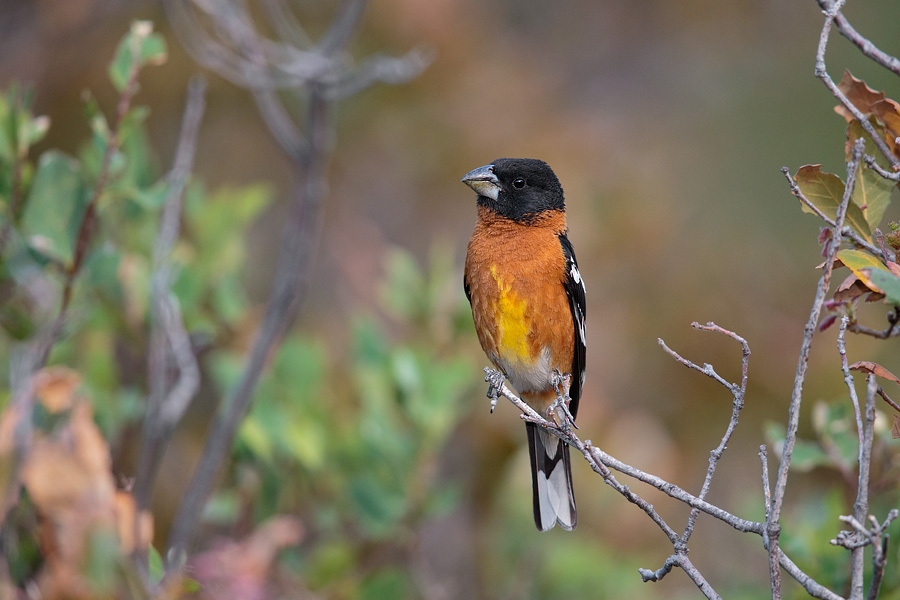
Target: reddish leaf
[888, 112]
[827, 322]
[867, 366]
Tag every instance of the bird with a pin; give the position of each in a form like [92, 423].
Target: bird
[528, 304]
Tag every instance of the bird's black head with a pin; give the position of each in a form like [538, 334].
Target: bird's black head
[517, 188]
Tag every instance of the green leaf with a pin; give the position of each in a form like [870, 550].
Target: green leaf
[389, 584]
[872, 193]
[330, 561]
[138, 48]
[887, 283]
[155, 568]
[870, 271]
[825, 191]
[807, 454]
[54, 205]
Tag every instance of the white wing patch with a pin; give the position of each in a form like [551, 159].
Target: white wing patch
[576, 275]
[579, 316]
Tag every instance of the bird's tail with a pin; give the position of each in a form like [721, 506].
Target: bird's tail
[551, 480]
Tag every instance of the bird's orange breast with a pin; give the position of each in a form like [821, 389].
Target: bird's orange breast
[515, 274]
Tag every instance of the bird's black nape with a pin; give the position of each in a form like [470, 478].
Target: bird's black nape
[527, 188]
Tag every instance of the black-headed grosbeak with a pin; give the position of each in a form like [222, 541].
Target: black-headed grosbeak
[528, 303]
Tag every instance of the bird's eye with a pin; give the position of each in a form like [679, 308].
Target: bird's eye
[518, 183]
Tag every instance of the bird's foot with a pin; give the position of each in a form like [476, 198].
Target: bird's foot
[559, 409]
[494, 379]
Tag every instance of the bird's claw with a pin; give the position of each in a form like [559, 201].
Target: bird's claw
[494, 379]
[561, 383]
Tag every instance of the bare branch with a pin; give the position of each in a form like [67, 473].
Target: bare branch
[865, 46]
[812, 587]
[168, 337]
[879, 561]
[845, 231]
[822, 74]
[737, 391]
[861, 506]
[803, 361]
[848, 380]
[872, 164]
[600, 462]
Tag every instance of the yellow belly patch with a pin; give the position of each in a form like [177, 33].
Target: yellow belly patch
[513, 326]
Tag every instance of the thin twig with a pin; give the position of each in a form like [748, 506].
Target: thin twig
[881, 334]
[809, 330]
[601, 462]
[848, 380]
[44, 344]
[737, 392]
[861, 505]
[879, 561]
[699, 580]
[822, 74]
[887, 399]
[846, 231]
[812, 587]
[865, 46]
[872, 164]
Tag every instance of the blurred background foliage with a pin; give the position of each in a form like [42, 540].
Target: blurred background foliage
[667, 124]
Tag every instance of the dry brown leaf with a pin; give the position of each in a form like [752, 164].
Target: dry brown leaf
[55, 387]
[857, 92]
[68, 478]
[895, 427]
[888, 112]
[867, 366]
[850, 288]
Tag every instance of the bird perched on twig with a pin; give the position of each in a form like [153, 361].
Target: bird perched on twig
[528, 303]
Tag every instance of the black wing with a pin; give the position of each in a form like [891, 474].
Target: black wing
[575, 291]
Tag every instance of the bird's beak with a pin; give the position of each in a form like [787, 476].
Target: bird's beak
[483, 181]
